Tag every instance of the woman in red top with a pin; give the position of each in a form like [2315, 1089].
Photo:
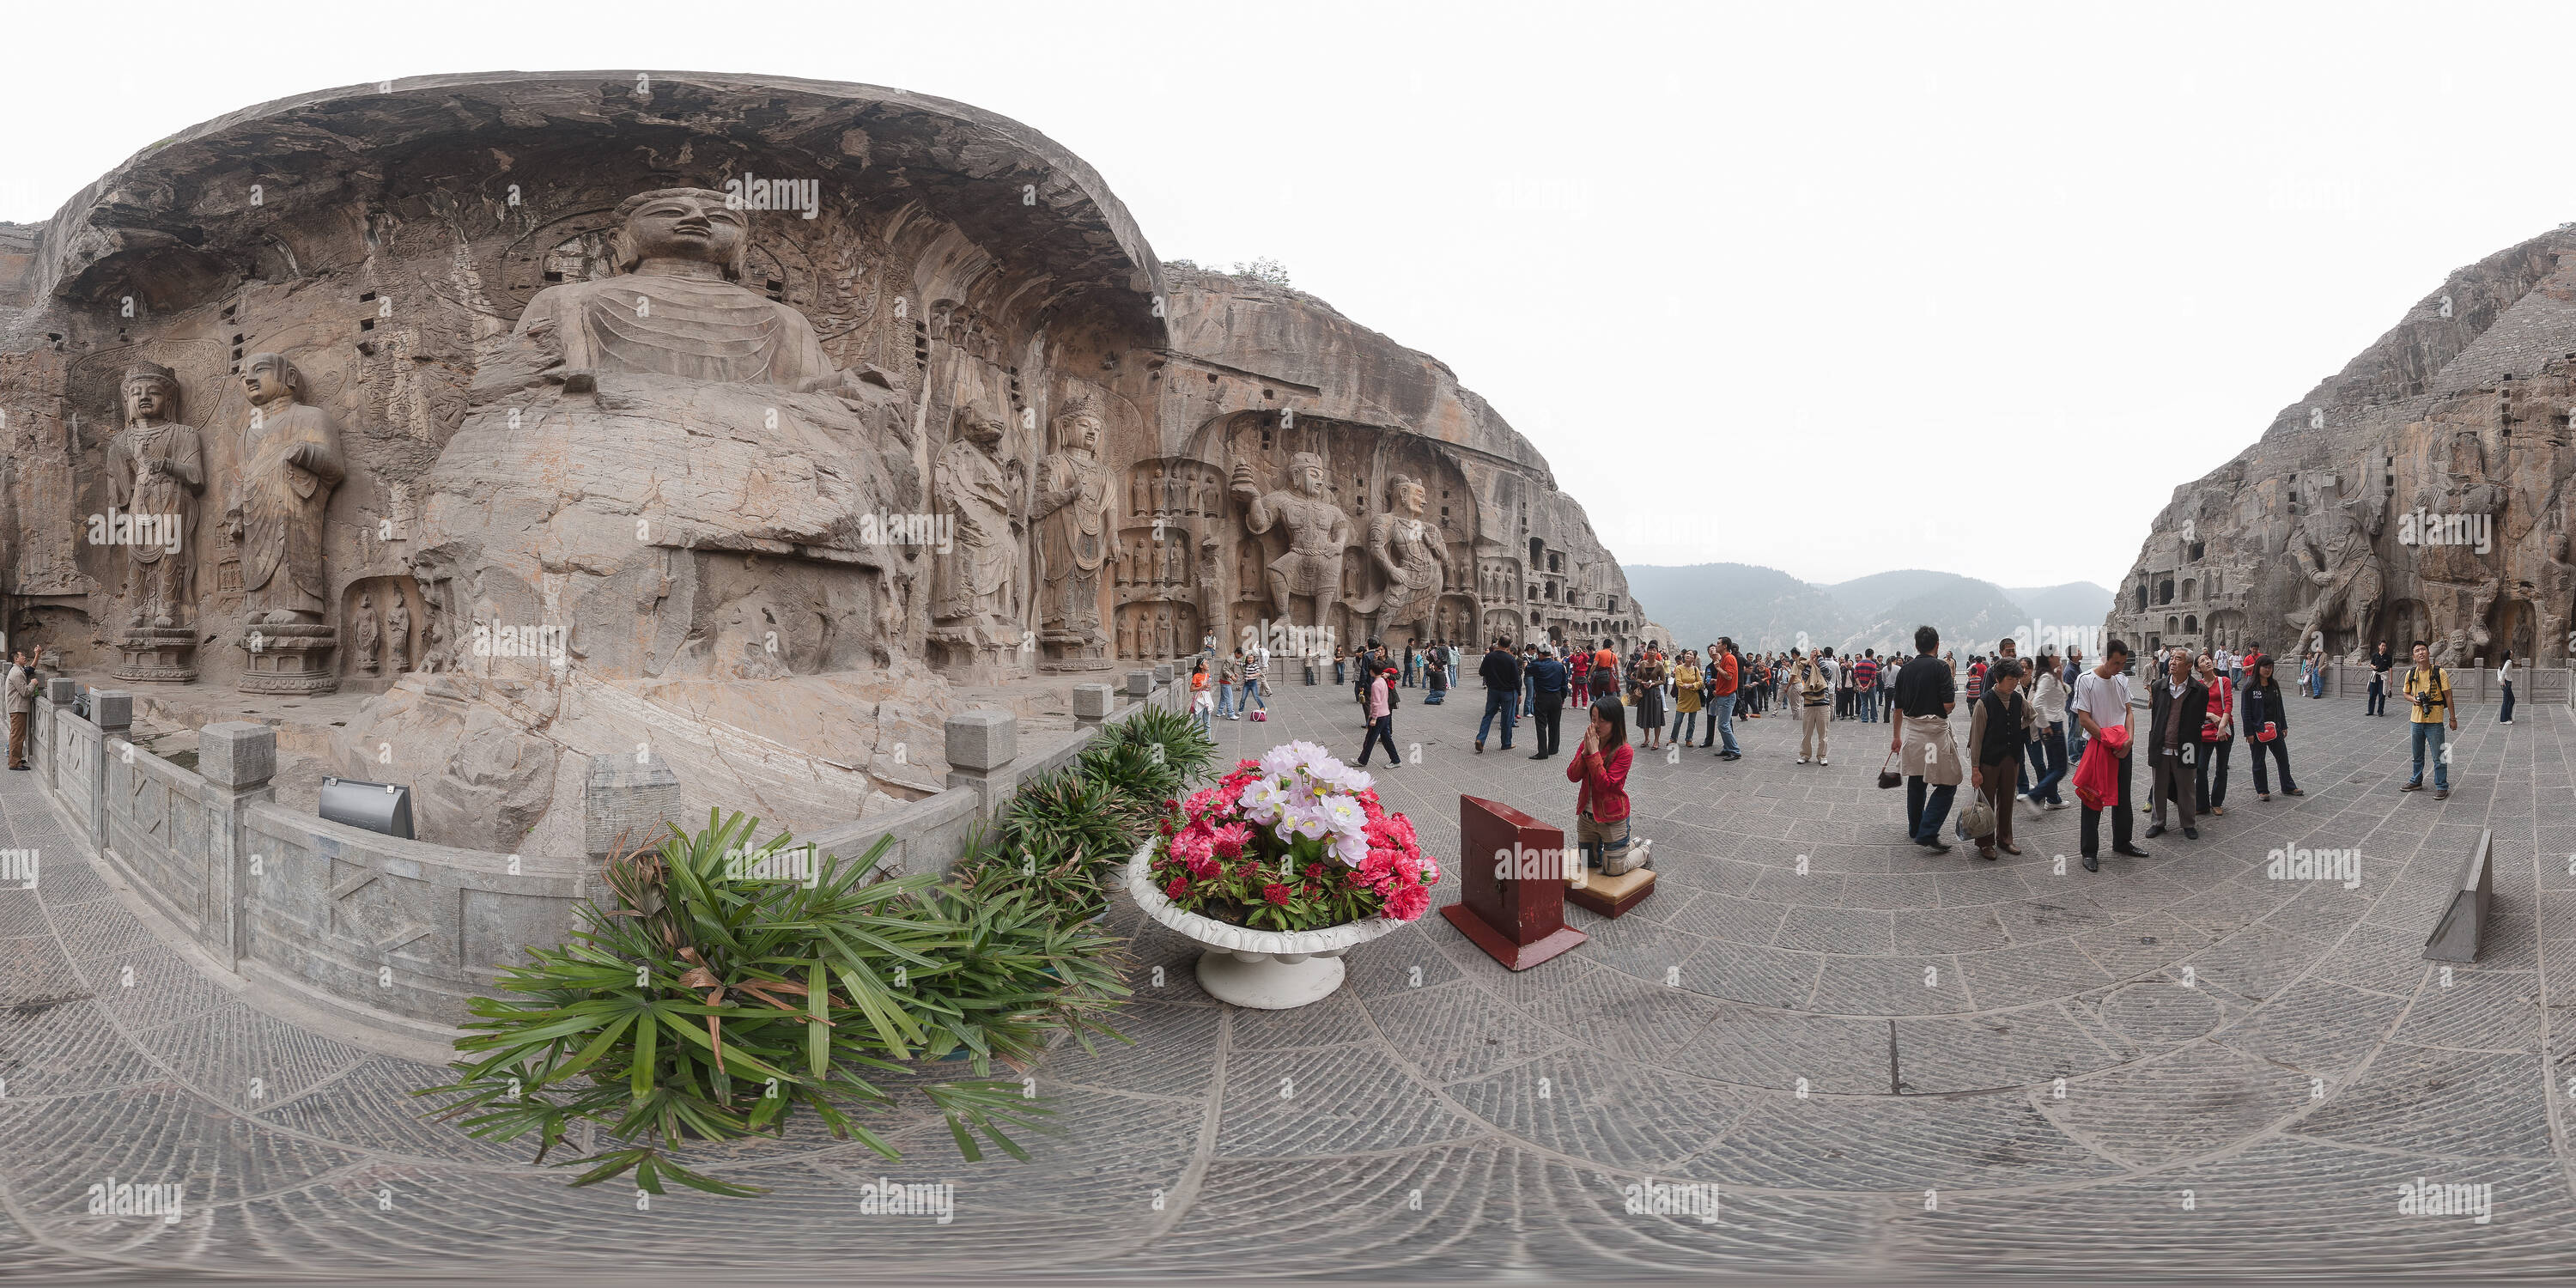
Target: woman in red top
[1601, 807]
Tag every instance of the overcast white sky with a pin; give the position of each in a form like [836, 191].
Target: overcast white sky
[1764, 282]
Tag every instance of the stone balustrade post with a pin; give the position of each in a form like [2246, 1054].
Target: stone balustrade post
[1140, 685]
[626, 804]
[236, 759]
[1092, 703]
[112, 710]
[981, 746]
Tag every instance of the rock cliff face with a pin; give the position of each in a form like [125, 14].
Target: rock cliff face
[741, 423]
[2423, 492]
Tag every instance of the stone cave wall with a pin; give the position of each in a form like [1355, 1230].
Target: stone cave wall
[2423, 492]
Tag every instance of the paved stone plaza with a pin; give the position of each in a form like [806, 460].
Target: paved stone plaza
[2251, 1068]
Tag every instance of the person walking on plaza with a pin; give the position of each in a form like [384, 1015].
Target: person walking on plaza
[1605, 673]
[22, 703]
[1548, 681]
[1381, 714]
[2217, 738]
[1998, 726]
[2176, 709]
[1601, 765]
[1646, 693]
[1924, 695]
[2428, 694]
[1202, 700]
[2102, 701]
[1579, 665]
[2504, 679]
[2267, 726]
[1686, 698]
[2382, 661]
[2047, 698]
[1502, 675]
[1256, 663]
[1815, 690]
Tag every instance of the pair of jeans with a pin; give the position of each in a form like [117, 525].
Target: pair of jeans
[1722, 719]
[1547, 711]
[1498, 702]
[2048, 760]
[1199, 716]
[1225, 700]
[1529, 696]
[1251, 694]
[2506, 713]
[1869, 706]
[1380, 730]
[2213, 772]
[2279, 748]
[2377, 703]
[2123, 818]
[2429, 733]
[1685, 723]
[1925, 811]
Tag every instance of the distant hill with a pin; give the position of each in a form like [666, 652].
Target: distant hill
[1703, 601]
[1766, 609]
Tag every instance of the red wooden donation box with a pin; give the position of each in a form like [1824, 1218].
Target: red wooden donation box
[1519, 918]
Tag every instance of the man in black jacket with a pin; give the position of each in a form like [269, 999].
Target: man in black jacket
[1502, 673]
[1547, 677]
[2175, 711]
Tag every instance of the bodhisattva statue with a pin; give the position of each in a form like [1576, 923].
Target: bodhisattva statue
[1318, 533]
[1410, 554]
[974, 606]
[2458, 581]
[291, 461]
[2333, 547]
[398, 633]
[158, 469]
[370, 633]
[1073, 519]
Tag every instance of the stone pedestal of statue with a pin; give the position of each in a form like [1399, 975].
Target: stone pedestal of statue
[289, 657]
[157, 655]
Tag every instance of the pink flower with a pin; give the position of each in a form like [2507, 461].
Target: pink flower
[1204, 868]
[1430, 872]
[1408, 868]
[1179, 886]
[1277, 894]
[1376, 870]
[1231, 838]
[1408, 902]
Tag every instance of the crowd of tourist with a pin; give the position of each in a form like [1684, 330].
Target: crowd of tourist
[2037, 726]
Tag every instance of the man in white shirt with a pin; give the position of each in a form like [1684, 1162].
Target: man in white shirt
[2101, 701]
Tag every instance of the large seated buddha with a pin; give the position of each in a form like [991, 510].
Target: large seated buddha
[668, 467]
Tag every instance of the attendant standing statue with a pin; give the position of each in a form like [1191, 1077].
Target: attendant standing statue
[291, 462]
[1072, 515]
[1410, 554]
[1318, 534]
[157, 470]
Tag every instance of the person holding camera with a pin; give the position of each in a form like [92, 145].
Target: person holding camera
[2428, 691]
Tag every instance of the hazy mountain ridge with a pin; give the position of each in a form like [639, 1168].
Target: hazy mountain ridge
[1764, 608]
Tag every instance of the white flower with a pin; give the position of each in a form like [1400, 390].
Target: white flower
[1345, 815]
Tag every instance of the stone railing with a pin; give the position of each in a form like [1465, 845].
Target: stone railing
[2472, 685]
[395, 935]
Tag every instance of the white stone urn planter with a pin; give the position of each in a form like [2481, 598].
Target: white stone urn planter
[1269, 970]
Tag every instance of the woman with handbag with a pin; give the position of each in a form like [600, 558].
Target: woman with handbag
[1686, 698]
[1601, 803]
[2217, 736]
[2267, 728]
[2047, 698]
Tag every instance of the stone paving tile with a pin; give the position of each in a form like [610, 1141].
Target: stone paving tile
[244, 1060]
[2142, 946]
[2193, 1100]
[22, 914]
[1762, 1048]
[1604, 1111]
[2479, 1011]
[2161, 1013]
[2376, 958]
[153, 1133]
[1759, 976]
[34, 970]
[2030, 972]
[1996, 1049]
[1448, 1035]
[2315, 1026]
[67, 1049]
[147, 989]
[1898, 1143]
[1892, 986]
[2435, 1102]
[1306, 1103]
[1966, 930]
[1838, 930]
[2256, 962]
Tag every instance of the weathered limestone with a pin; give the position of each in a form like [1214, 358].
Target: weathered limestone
[644, 455]
[2423, 492]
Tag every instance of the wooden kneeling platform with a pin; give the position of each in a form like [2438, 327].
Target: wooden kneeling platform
[1612, 896]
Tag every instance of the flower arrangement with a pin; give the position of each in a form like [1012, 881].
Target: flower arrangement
[1293, 841]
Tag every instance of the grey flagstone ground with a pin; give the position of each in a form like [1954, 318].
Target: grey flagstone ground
[1441, 1118]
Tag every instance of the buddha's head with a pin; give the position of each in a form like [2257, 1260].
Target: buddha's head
[268, 377]
[1078, 427]
[681, 224]
[151, 394]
